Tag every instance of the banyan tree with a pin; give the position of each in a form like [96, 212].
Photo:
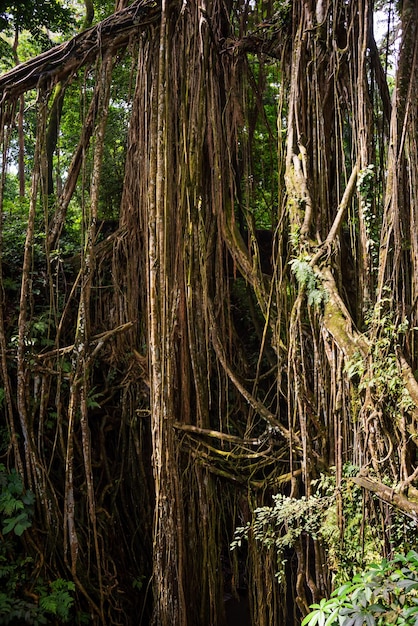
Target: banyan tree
[242, 327]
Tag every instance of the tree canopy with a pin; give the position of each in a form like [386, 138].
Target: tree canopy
[37, 18]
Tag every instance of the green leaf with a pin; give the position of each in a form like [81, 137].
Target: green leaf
[9, 525]
[332, 619]
[311, 618]
[18, 524]
[407, 584]
[20, 528]
[5, 604]
[28, 498]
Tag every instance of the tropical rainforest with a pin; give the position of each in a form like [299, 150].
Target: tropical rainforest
[208, 312]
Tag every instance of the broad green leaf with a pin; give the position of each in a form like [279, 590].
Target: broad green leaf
[311, 619]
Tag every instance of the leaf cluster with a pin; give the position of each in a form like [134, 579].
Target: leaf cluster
[283, 13]
[16, 504]
[380, 374]
[24, 600]
[58, 599]
[367, 192]
[50, 600]
[384, 593]
[281, 525]
[36, 17]
[309, 280]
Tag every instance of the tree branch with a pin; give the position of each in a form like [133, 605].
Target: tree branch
[61, 61]
[387, 494]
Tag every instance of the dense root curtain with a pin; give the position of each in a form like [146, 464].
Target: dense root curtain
[229, 371]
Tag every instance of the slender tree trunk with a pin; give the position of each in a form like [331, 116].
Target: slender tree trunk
[20, 121]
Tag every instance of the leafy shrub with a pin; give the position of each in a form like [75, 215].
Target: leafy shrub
[25, 602]
[281, 525]
[24, 598]
[16, 505]
[382, 594]
[57, 599]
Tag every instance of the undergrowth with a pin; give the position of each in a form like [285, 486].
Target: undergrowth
[26, 597]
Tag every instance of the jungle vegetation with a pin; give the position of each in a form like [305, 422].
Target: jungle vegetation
[208, 308]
